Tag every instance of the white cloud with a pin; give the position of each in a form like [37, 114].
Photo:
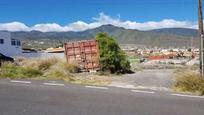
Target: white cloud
[14, 26]
[48, 27]
[77, 26]
[102, 19]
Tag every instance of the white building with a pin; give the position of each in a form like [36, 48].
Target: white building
[8, 46]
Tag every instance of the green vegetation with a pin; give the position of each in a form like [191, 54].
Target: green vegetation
[47, 69]
[188, 81]
[134, 59]
[72, 68]
[46, 63]
[112, 58]
[51, 68]
[9, 70]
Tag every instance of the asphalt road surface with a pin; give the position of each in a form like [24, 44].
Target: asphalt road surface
[51, 98]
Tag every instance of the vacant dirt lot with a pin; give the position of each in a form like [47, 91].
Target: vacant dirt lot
[148, 79]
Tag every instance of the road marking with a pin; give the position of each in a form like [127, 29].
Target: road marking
[181, 95]
[139, 91]
[16, 81]
[54, 84]
[96, 87]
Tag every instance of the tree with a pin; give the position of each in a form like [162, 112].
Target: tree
[112, 58]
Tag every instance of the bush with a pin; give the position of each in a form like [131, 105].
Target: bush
[189, 82]
[112, 58]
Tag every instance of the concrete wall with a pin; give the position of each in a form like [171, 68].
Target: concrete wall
[8, 49]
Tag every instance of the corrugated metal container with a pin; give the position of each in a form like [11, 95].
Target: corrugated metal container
[84, 53]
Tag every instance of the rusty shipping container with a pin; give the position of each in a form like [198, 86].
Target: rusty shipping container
[84, 53]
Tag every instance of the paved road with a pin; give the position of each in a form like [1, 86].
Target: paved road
[40, 98]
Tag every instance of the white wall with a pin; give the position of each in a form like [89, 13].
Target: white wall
[8, 49]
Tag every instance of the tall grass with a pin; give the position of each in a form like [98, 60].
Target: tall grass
[47, 69]
[188, 81]
[9, 70]
[51, 68]
[45, 64]
[71, 67]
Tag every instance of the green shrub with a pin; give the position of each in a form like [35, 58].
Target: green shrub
[112, 58]
[189, 82]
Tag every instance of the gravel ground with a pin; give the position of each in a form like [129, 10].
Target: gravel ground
[160, 78]
[148, 78]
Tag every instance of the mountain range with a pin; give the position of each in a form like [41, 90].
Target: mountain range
[178, 31]
[166, 37]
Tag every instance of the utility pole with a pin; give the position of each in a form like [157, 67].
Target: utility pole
[200, 21]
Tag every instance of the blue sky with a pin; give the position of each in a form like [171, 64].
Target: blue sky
[66, 12]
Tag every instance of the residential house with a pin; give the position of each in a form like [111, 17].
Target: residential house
[9, 46]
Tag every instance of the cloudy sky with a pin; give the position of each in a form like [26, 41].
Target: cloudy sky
[79, 15]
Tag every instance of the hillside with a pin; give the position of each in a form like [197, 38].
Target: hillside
[177, 31]
[159, 37]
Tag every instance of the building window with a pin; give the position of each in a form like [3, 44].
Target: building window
[1, 41]
[13, 42]
[18, 43]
